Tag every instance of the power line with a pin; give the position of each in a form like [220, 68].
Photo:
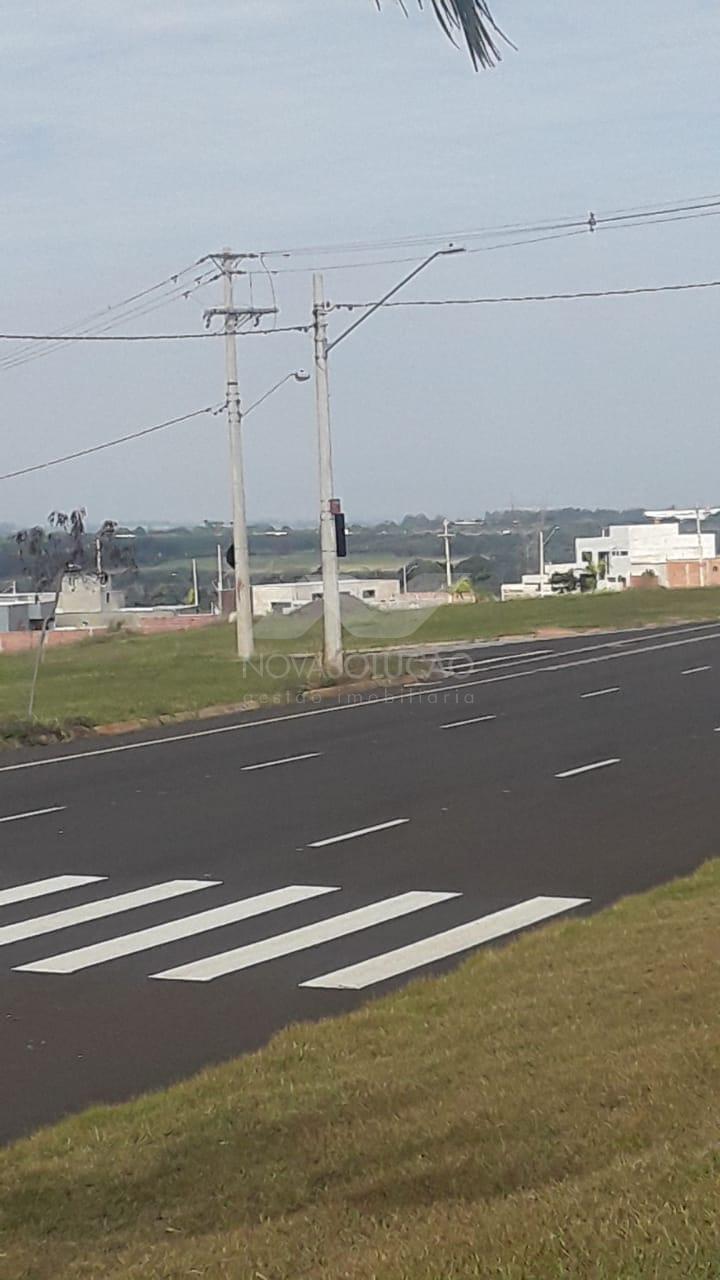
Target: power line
[151, 337]
[135, 306]
[110, 444]
[549, 224]
[535, 297]
[598, 224]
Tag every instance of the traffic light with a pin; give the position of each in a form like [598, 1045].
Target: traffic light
[230, 555]
[340, 532]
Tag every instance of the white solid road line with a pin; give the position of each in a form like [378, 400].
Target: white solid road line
[600, 693]
[159, 935]
[691, 671]
[393, 963]
[39, 888]
[362, 831]
[642, 633]
[34, 813]
[286, 944]
[270, 764]
[586, 768]
[382, 701]
[457, 724]
[99, 910]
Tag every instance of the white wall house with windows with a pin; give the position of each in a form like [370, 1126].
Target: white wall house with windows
[626, 551]
[286, 597]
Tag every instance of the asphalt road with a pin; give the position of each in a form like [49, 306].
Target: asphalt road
[170, 900]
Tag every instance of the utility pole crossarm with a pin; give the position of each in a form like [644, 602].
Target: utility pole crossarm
[239, 313]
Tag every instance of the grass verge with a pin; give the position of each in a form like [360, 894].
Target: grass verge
[549, 1111]
[126, 677]
[491, 619]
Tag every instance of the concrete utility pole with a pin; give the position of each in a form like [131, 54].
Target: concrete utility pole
[332, 644]
[447, 539]
[332, 622]
[243, 591]
[219, 580]
[701, 558]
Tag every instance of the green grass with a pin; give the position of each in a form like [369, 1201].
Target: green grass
[125, 677]
[549, 1111]
[521, 617]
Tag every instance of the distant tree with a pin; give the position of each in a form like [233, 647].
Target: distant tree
[46, 553]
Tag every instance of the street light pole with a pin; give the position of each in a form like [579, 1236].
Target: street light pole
[243, 590]
[447, 538]
[332, 621]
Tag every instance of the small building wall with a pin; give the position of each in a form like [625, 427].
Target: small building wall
[686, 573]
[85, 594]
[286, 597]
[27, 612]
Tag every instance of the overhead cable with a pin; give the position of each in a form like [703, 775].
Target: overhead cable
[533, 297]
[110, 444]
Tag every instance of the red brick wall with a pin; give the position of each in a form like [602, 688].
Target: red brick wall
[21, 641]
[686, 573]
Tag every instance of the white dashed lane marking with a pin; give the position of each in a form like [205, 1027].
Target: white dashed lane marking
[362, 831]
[458, 724]
[271, 764]
[34, 813]
[587, 768]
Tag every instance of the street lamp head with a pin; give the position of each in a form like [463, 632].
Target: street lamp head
[301, 375]
[453, 248]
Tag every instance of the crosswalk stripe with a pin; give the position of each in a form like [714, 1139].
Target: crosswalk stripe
[158, 935]
[357, 976]
[98, 910]
[286, 944]
[38, 888]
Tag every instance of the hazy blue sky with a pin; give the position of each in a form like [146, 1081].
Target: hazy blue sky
[137, 135]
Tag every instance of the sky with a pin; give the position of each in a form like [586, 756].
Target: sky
[137, 137]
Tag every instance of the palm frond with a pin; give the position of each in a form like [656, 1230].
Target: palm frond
[472, 20]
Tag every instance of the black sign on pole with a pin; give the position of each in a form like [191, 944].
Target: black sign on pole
[230, 555]
[340, 534]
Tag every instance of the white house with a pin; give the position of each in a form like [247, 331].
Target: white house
[286, 597]
[627, 551]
